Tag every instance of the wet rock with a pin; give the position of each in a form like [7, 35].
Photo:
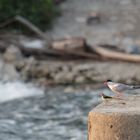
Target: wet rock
[133, 49]
[28, 68]
[93, 18]
[62, 77]
[69, 90]
[8, 72]
[12, 54]
[66, 68]
[83, 67]
[38, 71]
[80, 79]
[90, 74]
[42, 82]
[20, 65]
[47, 72]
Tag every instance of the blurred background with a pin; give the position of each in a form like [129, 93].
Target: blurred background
[54, 58]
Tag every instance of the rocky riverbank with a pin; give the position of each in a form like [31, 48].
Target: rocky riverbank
[16, 66]
[114, 28]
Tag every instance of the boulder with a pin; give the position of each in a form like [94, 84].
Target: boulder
[12, 54]
[8, 72]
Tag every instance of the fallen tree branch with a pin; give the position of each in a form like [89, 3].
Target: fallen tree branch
[45, 53]
[28, 24]
[106, 53]
[71, 48]
[7, 22]
[71, 43]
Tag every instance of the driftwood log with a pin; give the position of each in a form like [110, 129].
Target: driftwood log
[43, 53]
[47, 53]
[67, 48]
[110, 54]
[70, 44]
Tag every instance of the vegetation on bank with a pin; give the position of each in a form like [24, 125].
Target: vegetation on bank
[39, 12]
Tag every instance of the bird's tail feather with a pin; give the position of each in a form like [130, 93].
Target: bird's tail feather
[135, 87]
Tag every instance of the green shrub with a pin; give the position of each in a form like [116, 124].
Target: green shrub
[39, 12]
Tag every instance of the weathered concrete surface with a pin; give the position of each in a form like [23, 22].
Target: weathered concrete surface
[115, 120]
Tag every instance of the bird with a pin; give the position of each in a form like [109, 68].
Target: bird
[105, 97]
[119, 88]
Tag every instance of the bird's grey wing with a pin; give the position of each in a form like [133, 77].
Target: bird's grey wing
[121, 87]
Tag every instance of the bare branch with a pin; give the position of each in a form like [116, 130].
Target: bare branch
[7, 22]
[30, 25]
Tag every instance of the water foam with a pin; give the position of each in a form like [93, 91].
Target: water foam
[14, 90]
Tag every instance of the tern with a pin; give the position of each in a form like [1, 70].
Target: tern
[119, 88]
[105, 97]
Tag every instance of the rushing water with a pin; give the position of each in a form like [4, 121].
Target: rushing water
[55, 115]
[17, 89]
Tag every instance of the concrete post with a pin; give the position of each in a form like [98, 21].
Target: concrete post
[115, 120]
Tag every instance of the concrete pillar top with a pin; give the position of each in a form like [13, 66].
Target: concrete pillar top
[115, 120]
[130, 104]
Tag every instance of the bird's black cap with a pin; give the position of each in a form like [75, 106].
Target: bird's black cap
[109, 80]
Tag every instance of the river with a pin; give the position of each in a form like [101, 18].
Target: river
[30, 113]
